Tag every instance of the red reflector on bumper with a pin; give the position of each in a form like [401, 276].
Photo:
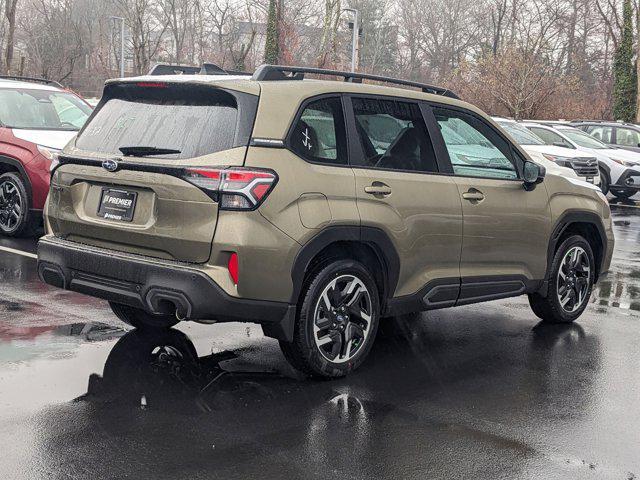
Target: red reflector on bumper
[233, 267]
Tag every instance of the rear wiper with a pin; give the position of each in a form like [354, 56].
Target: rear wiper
[145, 151]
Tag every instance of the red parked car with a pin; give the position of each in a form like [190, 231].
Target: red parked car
[37, 119]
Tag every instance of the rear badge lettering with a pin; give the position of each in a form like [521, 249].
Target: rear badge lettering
[117, 204]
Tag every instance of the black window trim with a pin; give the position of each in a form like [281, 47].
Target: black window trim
[355, 148]
[301, 108]
[515, 158]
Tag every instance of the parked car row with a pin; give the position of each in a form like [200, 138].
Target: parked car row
[619, 168]
[613, 164]
[572, 164]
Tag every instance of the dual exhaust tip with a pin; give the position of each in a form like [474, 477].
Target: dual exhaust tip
[159, 301]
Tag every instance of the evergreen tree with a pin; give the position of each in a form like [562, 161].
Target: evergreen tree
[624, 70]
[272, 42]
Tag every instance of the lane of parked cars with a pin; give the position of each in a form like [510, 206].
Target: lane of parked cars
[613, 164]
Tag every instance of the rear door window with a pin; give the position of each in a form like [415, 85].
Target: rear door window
[393, 135]
[192, 120]
[319, 134]
[604, 134]
[627, 137]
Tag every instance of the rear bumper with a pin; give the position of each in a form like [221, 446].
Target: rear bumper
[159, 287]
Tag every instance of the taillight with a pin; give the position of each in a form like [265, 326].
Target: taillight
[234, 188]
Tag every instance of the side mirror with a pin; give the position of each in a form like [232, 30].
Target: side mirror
[533, 174]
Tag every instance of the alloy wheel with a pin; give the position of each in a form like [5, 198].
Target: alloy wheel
[11, 206]
[573, 279]
[342, 318]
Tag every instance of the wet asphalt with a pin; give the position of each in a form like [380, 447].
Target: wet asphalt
[482, 392]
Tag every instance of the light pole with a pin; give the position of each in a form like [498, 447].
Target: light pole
[121, 20]
[355, 41]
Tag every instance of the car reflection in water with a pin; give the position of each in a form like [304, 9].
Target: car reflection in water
[161, 369]
[430, 394]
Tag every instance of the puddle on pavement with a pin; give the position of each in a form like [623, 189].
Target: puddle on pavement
[615, 290]
[22, 341]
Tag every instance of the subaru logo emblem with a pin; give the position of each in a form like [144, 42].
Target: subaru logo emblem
[110, 165]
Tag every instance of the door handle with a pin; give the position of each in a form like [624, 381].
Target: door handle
[473, 195]
[378, 188]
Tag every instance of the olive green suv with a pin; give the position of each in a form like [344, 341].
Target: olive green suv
[315, 208]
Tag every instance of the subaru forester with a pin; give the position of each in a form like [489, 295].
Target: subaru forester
[315, 208]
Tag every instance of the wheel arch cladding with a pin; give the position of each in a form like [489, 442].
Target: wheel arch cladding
[370, 246]
[586, 224]
[8, 164]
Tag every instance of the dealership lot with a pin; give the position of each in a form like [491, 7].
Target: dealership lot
[472, 392]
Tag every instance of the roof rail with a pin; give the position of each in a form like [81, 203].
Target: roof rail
[205, 69]
[44, 81]
[279, 72]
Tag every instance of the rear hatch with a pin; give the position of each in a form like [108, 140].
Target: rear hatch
[127, 182]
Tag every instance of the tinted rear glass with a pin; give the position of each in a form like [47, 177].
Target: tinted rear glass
[192, 119]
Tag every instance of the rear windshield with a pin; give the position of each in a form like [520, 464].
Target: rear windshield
[32, 109]
[191, 120]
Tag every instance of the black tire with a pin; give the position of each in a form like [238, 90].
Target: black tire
[604, 181]
[13, 195]
[140, 319]
[623, 194]
[549, 307]
[303, 353]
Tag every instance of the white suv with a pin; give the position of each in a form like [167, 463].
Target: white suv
[584, 165]
[619, 169]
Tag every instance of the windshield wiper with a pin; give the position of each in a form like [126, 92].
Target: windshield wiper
[146, 151]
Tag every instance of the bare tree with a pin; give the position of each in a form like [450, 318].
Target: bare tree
[178, 16]
[538, 56]
[10, 11]
[53, 38]
[143, 18]
[220, 14]
[328, 44]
